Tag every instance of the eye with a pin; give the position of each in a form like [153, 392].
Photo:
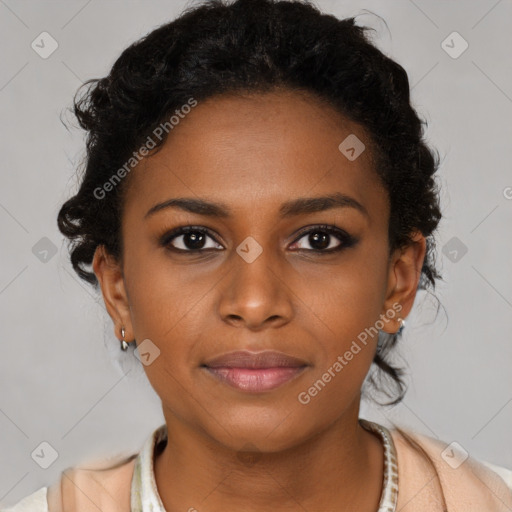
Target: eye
[193, 239]
[322, 239]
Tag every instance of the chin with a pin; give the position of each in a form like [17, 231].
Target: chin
[261, 433]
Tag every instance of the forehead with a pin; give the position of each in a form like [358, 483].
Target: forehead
[258, 149]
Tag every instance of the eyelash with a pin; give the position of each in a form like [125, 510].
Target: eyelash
[345, 239]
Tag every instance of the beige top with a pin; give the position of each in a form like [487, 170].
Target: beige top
[409, 484]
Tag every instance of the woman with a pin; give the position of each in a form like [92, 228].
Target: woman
[258, 207]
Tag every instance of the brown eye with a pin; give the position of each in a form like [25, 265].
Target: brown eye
[325, 239]
[189, 239]
[320, 239]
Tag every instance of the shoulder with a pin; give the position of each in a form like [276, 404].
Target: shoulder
[454, 456]
[431, 467]
[35, 502]
[105, 487]
[505, 473]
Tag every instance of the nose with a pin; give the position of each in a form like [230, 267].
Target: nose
[255, 294]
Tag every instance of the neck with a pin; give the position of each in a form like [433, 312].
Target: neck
[340, 467]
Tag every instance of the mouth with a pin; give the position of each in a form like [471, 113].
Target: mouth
[255, 371]
[255, 380]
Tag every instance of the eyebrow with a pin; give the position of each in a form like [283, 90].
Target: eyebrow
[299, 206]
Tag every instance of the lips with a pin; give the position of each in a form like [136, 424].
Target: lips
[247, 359]
[255, 372]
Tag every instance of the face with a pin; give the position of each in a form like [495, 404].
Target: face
[258, 271]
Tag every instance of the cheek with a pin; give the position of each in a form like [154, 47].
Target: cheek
[350, 311]
[347, 349]
[354, 298]
[163, 297]
[164, 314]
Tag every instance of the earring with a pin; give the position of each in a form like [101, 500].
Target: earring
[124, 344]
[402, 325]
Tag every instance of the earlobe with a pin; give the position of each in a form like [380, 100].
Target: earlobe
[111, 279]
[404, 275]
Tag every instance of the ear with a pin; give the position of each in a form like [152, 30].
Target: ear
[110, 276]
[403, 277]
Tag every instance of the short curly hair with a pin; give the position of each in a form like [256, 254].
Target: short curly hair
[254, 46]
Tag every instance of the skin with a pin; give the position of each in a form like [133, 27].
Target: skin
[254, 153]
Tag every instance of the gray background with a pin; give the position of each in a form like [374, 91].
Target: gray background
[60, 379]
